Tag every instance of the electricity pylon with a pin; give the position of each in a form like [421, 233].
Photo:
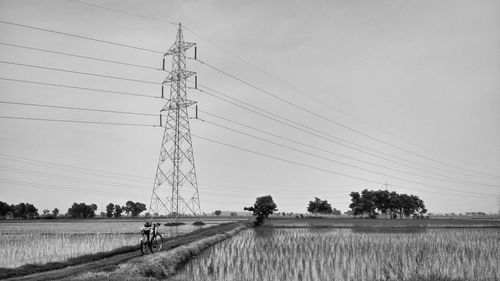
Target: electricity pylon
[175, 188]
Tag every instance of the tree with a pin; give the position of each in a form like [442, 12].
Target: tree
[19, 211]
[234, 214]
[263, 207]
[5, 209]
[82, 210]
[128, 207]
[118, 211]
[24, 211]
[134, 209]
[319, 206]
[46, 212]
[355, 205]
[55, 213]
[386, 202]
[110, 208]
[217, 212]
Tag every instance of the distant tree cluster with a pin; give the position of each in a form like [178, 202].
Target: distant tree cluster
[130, 208]
[319, 206]
[82, 211]
[384, 202]
[19, 211]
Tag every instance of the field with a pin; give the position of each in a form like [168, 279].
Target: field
[23, 242]
[354, 250]
[283, 249]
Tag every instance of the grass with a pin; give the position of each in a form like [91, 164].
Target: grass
[349, 222]
[269, 253]
[55, 231]
[28, 269]
[42, 242]
[165, 264]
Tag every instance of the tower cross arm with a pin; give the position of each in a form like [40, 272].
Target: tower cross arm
[185, 74]
[175, 48]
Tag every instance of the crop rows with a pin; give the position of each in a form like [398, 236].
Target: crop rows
[340, 254]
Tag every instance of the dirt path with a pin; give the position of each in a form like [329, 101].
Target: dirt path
[110, 263]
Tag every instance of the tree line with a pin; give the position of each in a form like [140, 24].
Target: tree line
[373, 203]
[19, 211]
[77, 211]
[130, 208]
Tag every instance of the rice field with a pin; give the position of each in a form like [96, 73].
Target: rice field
[268, 253]
[52, 241]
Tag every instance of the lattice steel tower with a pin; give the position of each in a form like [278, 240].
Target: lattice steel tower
[175, 188]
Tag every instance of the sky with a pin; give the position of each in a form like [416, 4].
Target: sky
[402, 95]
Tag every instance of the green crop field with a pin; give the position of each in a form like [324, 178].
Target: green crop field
[354, 250]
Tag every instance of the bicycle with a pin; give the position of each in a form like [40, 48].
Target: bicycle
[155, 243]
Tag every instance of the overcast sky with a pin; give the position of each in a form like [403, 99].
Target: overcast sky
[399, 92]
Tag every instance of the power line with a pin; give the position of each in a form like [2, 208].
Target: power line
[75, 121]
[79, 72]
[336, 161]
[313, 167]
[76, 88]
[69, 178]
[337, 154]
[79, 36]
[79, 56]
[77, 108]
[68, 167]
[318, 133]
[238, 79]
[236, 56]
[123, 12]
[320, 101]
[333, 121]
[64, 188]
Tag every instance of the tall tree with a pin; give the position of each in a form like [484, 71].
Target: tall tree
[118, 211]
[128, 207]
[5, 209]
[356, 205]
[319, 206]
[262, 208]
[110, 208]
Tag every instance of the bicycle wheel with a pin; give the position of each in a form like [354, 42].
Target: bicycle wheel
[144, 244]
[156, 243]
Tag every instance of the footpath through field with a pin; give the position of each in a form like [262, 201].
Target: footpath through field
[110, 263]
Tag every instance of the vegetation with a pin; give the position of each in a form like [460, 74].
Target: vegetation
[319, 206]
[263, 207]
[340, 254]
[82, 211]
[386, 203]
[110, 209]
[57, 241]
[134, 209]
[218, 212]
[19, 211]
[118, 211]
[180, 249]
